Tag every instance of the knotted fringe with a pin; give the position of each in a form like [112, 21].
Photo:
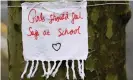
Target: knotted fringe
[53, 70]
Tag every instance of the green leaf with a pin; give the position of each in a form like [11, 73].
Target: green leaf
[109, 31]
[111, 77]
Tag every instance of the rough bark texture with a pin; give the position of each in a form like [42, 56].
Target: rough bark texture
[106, 26]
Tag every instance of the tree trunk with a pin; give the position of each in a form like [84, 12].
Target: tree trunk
[106, 28]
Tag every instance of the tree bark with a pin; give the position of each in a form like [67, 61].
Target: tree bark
[106, 28]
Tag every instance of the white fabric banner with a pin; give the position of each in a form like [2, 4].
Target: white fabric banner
[53, 32]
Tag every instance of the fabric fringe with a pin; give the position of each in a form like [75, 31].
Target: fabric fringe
[25, 69]
[67, 73]
[35, 69]
[56, 70]
[83, 74]
[31, 69]
[74, 75]
[53, 70]
[44, 69]
[48, 71]
[81, 69]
